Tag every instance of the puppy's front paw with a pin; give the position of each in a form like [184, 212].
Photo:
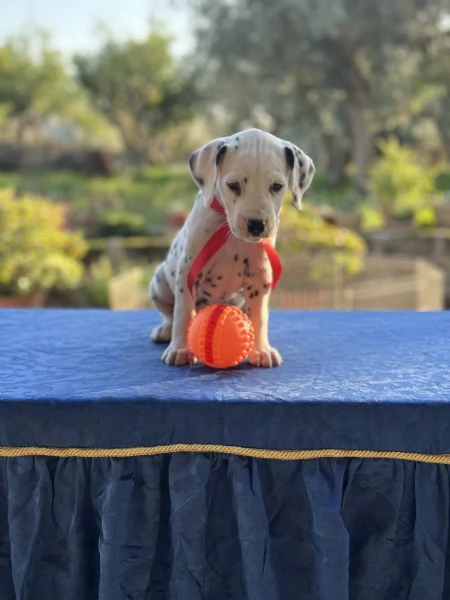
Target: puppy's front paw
[174, 355]
[265, 356]
[162, 334]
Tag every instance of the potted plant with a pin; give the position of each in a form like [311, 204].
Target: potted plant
[176, 215]
[36, 251]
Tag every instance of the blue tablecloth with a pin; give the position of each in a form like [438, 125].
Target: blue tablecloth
[119, 512]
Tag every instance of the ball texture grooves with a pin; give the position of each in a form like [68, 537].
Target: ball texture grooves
[221, 336]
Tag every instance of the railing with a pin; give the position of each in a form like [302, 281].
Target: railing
[384, 283]
[127, 291]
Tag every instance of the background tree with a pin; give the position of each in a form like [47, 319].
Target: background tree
[432, 77]
[34, 83]
[332, 74]
[138, 88]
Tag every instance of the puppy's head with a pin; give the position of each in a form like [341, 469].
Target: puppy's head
[250, 172]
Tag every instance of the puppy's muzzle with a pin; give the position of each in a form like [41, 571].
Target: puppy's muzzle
[256, 227]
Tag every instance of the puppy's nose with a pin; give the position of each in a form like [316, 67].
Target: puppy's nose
[255, 227]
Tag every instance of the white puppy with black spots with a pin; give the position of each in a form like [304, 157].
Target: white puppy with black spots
[247, 174]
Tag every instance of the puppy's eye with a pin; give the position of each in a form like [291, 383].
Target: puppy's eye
[235, 187]
[276, 187]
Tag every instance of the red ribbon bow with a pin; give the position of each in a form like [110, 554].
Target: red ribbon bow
[217, 240]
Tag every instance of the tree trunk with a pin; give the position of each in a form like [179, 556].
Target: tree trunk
[21, 129]
[362, 141]
[358, 104]
[138, 159]
[444, 133]
[337, 149]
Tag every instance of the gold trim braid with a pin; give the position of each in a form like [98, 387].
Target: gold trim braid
[13, 451]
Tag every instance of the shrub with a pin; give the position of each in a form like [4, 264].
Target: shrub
[121, 223]
[425, 217]
[372, 217]
[443, 180]
[36, 251]
[308, 233]
[149, 194]
[397, 181]
[95, 285]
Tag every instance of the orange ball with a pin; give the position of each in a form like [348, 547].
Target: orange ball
[221, 336]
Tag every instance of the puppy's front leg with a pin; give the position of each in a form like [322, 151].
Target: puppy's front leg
[257, 308]
[177, 352]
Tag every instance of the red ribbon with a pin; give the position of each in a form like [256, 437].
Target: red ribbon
[217, 240]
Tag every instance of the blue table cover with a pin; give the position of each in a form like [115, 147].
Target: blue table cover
[220, 524]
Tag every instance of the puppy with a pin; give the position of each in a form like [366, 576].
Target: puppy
[242, 180]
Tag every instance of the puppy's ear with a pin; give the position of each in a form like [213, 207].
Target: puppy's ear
[302, 172]
[204, 164]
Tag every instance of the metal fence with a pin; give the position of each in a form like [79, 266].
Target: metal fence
[127, 290]
[384, 283]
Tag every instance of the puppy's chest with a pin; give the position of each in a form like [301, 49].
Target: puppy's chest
[236, 264]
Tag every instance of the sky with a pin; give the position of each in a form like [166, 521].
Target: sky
[72, 24]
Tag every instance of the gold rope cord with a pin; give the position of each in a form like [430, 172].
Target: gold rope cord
[12, 451]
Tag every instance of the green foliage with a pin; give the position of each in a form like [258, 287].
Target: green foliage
[35, 85]
[32, 77]
[136, 86]
[94, 289]
[433, 72]
[397, 181]
[372, 217]
[328, 73]
[338, 197]
[149, 194]
[425, 217]
[306, 232]
[36, 252]
[121, 223]
[95, 284]
[34, 81]
[443, 180]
